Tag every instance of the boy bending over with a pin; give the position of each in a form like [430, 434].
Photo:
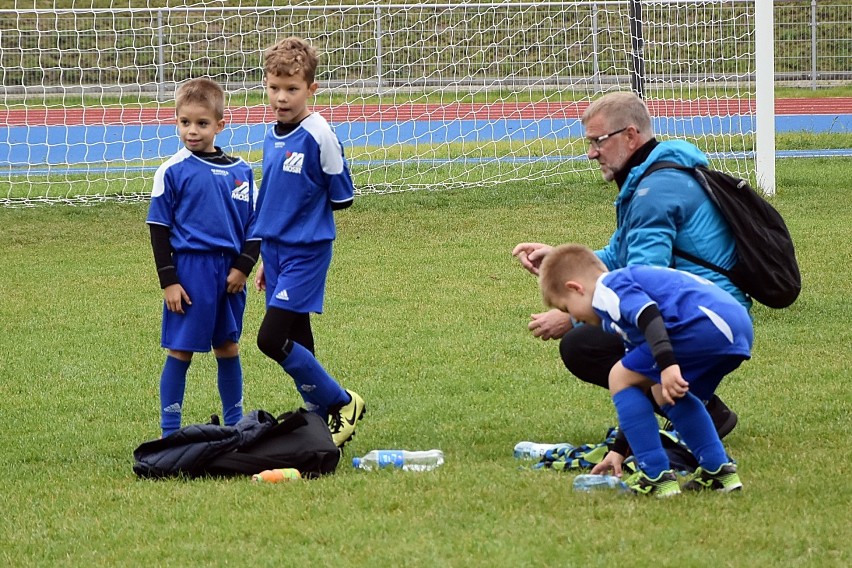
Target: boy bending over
[682, 335]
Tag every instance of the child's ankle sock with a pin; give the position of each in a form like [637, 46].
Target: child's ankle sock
[319, 390]
[230, 383]
[689, 417]
[172, 387]
[636, 418]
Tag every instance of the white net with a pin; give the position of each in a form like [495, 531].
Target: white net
[422, 95]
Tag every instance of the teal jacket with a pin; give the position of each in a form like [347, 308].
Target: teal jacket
[669, 209]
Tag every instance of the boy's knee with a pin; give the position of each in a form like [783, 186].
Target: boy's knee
[271, 345]
[616, 379]
[620, 378]
[227, 350]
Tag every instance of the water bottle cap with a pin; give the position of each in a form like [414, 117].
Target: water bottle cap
[356, 462]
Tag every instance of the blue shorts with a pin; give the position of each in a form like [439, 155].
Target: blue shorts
[295, 275]
[703, 373]
[215, 316]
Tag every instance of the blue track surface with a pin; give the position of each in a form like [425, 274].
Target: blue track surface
[74, 146]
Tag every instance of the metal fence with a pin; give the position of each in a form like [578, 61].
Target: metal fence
[813, 43]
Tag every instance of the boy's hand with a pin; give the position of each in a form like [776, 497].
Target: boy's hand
[611, 463]
[530, 255]
[673, 384]
[236, 281]
[551, 324]
[174, 297]
[260, 279]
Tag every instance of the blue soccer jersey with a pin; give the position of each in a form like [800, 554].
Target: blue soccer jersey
[700, 318]
[304, 172]
[208, 207]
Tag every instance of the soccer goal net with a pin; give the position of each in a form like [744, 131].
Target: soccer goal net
[422, 95]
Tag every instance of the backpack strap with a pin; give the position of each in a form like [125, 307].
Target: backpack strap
[696, 173]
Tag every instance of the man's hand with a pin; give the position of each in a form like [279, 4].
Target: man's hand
[674, 386]
[552, 324]
[530, 255]
[611, 463]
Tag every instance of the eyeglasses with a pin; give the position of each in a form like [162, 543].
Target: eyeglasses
[596, 143]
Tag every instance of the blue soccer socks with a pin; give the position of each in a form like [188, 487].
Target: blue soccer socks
[319, 390]
[691, 420]
[636, 418]
[172, 387]
[230, 383]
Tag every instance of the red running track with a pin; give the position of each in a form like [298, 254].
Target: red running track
[413, 111]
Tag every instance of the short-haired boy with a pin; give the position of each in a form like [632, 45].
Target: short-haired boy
[200, 214]
[305, 178]
[682, 334]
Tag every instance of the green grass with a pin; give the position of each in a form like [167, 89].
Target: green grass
[426, 317]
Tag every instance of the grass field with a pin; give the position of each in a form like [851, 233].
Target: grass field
[425, 317]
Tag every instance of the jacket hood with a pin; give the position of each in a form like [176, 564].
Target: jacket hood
[679, 151]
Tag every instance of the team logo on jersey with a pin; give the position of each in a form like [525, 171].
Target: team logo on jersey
[293, 162]
[241, 191]
[219, 172]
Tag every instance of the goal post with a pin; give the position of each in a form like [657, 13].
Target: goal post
[424, 95]
[765, 97]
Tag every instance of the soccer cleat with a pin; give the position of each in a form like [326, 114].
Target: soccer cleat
[342, 420]
[724, 479]
[664, 485]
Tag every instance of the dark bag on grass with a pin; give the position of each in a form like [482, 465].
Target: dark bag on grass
[299, 439]
[766, 267]
[259, 441]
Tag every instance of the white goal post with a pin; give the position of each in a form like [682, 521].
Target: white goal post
[424, 95]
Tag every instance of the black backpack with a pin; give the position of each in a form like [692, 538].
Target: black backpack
[259, 441]
[766, 267]
[299, 439]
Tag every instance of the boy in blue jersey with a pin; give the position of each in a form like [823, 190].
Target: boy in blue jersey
[202, 208]
[305, 178]
[682, 334]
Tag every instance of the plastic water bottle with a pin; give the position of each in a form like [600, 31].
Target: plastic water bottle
[536, 450]
[406, 460]
[589, 482]
[277, 475]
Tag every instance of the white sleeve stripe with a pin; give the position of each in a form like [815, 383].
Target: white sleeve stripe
[331, 154]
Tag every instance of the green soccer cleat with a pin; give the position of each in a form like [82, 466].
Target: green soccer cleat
[664, 485]
[725, 479]
[342, 420]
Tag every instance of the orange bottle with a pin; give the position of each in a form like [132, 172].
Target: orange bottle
[277, 475]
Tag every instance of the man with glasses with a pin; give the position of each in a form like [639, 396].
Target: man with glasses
[667, 209]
